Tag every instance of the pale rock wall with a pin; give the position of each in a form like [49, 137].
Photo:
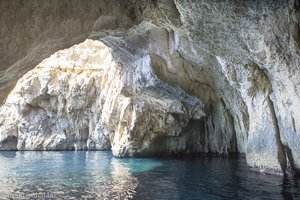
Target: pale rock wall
[240, 59]
[57, 105]
[74, 100]
[256, 44]
[32, 30]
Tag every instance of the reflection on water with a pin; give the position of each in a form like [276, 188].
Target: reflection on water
[70, 174]
[123, 183]
[97, 175]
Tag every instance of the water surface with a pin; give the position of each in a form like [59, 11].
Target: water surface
[98, 175]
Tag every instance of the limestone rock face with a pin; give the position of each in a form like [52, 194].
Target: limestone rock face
[156, 122]
[74, 100]
[56, 105]
[33, 30]
[164, 76]
[256, 45]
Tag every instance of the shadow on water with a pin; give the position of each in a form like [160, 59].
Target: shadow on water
[8, 154]
[290, 187]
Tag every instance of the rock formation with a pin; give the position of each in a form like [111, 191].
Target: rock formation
[154, 77]
[80, 98]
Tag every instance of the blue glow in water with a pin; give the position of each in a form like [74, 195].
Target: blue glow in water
[97, 175]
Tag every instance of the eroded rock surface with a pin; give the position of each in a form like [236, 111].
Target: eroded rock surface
[183, 76]
[74, 100]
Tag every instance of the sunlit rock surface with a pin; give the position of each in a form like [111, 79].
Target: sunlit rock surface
[177, 76]
[57, 105]
[74, 100]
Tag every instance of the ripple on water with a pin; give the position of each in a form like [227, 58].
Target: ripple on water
[92, 174]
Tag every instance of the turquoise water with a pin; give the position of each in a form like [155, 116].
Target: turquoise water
[98, 175]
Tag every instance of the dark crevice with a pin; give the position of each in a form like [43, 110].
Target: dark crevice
[230, 121]
[195, 137]
[234, 137]
[9, 143]
[294, 124]
[290, 161]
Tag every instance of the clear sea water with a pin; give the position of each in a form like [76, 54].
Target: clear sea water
[98, 175]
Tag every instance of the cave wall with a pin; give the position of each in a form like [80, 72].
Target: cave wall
[240, 59]
[32, 30]
[257, 47]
